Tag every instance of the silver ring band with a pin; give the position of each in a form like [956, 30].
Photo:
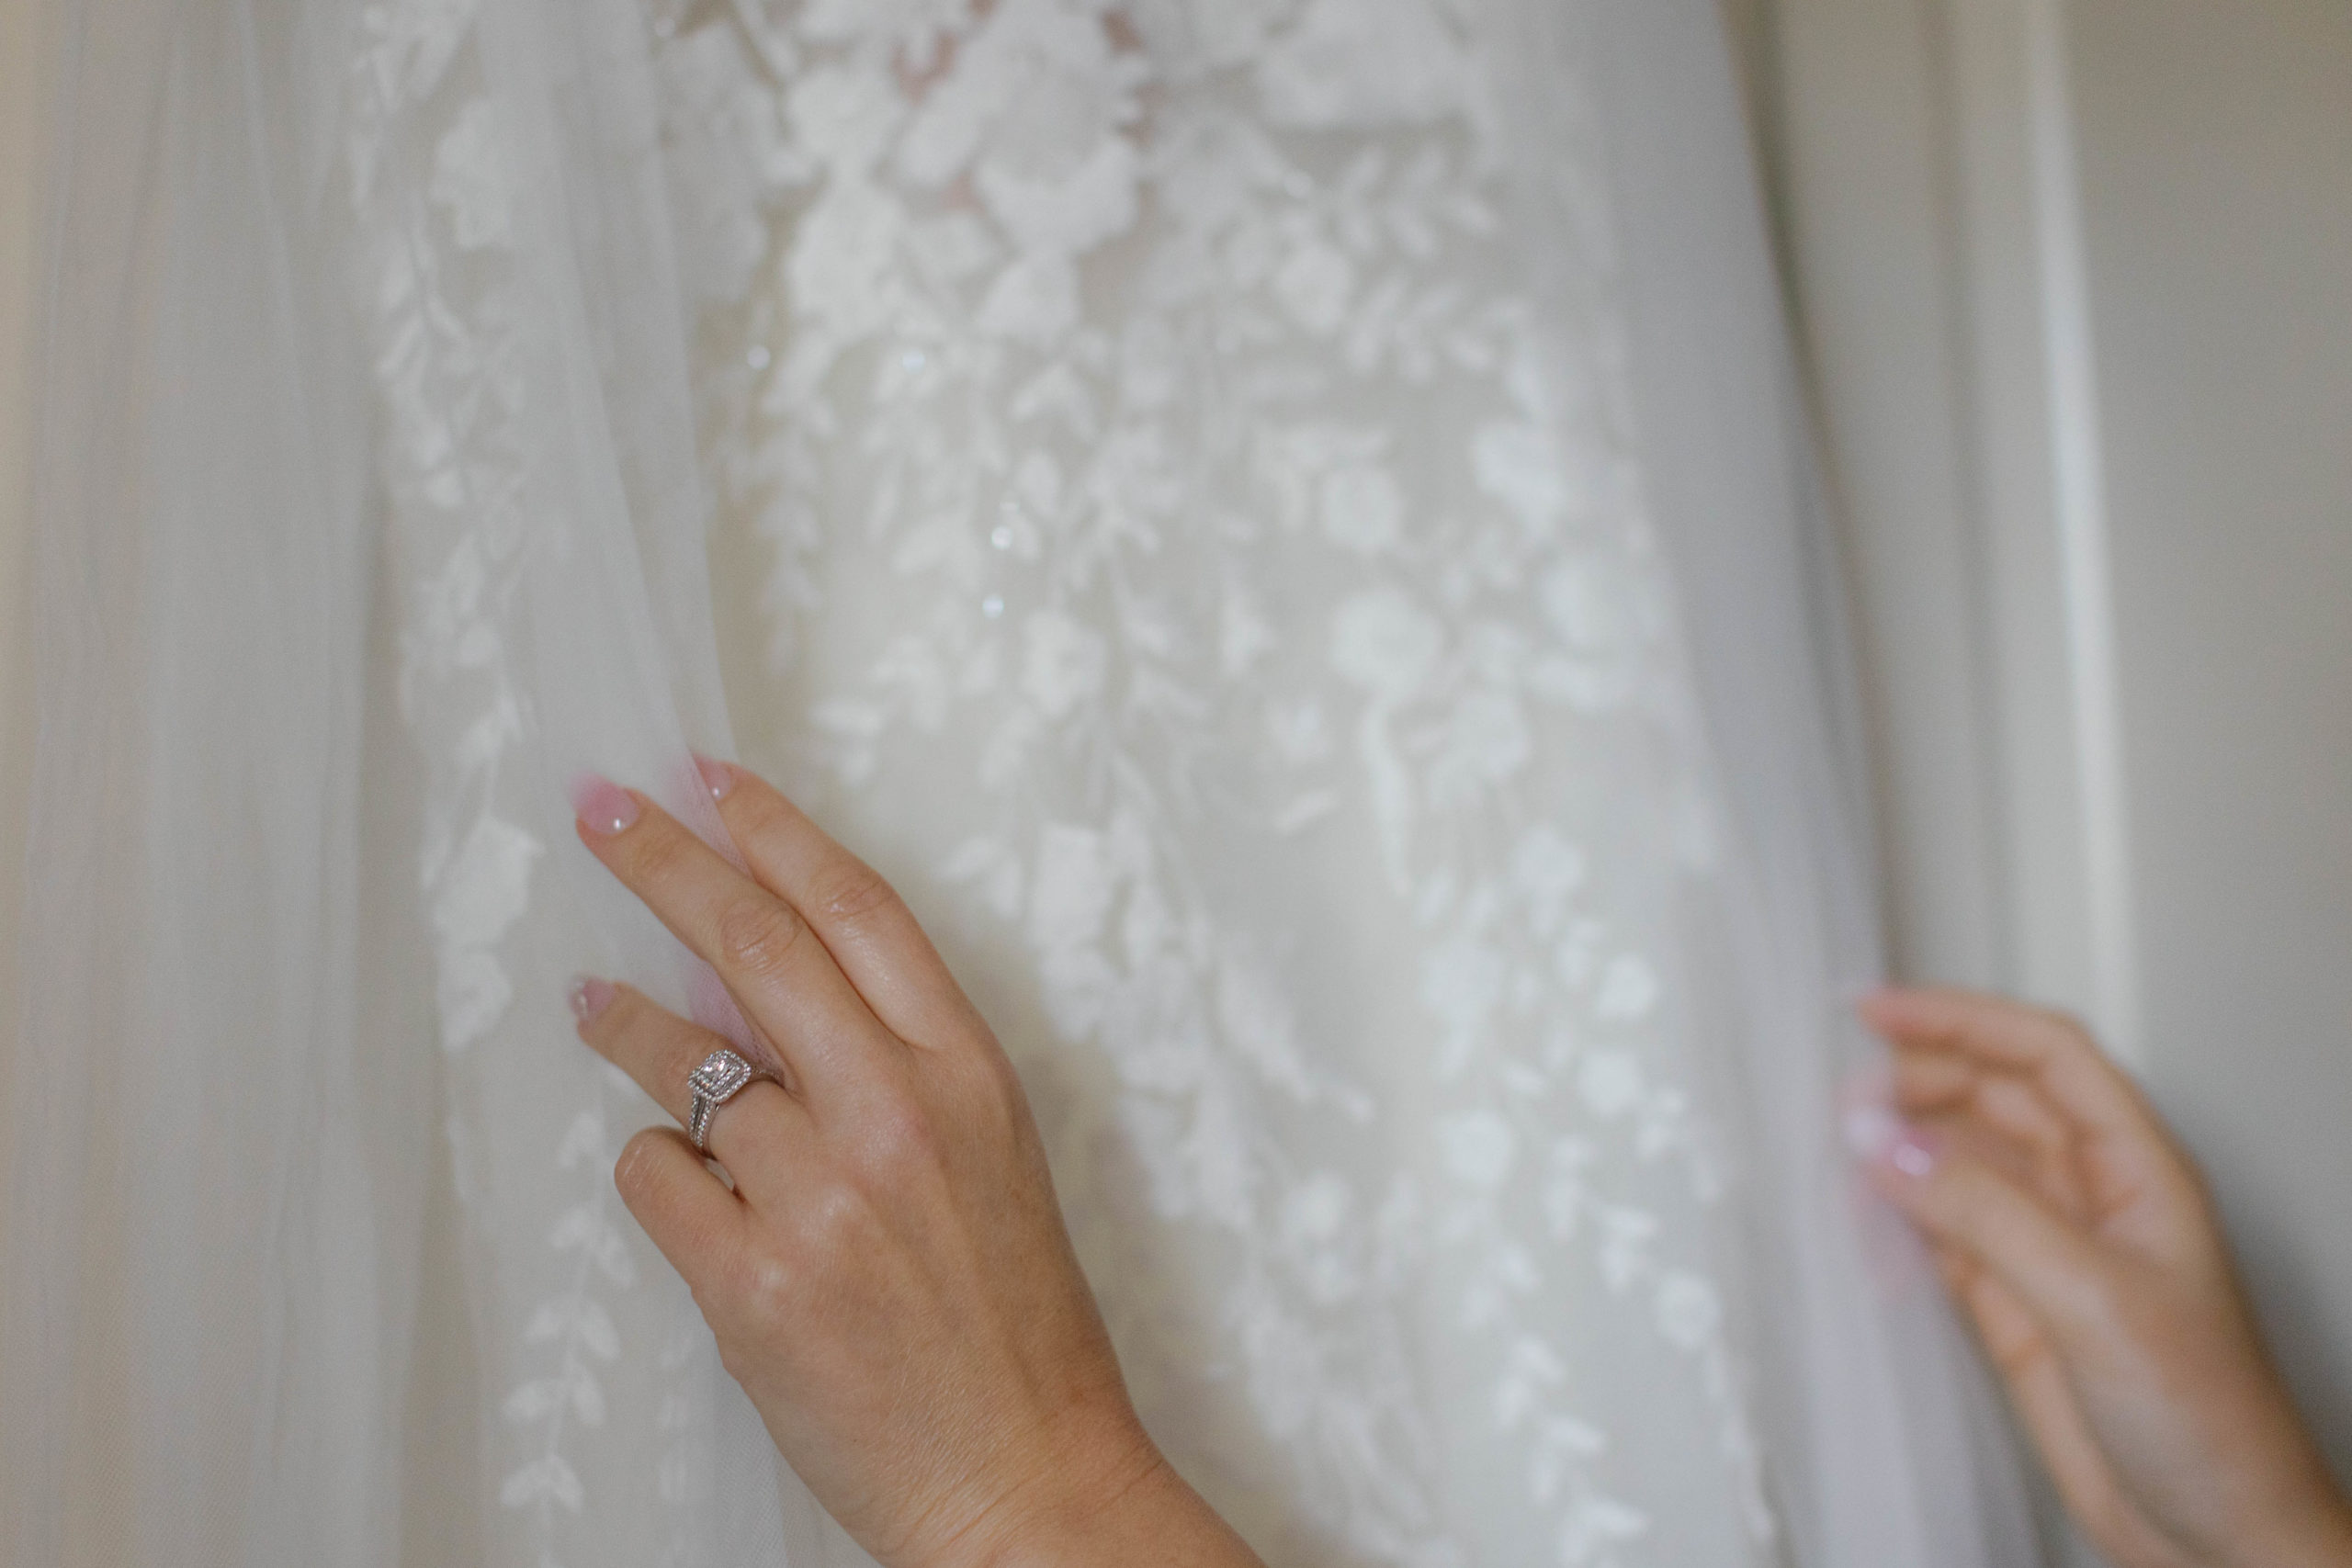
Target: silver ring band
[722, 1076]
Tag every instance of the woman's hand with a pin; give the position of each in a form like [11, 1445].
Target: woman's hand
[2084, 1245]
[889, 1278]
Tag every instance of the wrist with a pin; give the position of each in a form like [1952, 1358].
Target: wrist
[1107, 1495]
[1069, 1481]
[1092, 1517]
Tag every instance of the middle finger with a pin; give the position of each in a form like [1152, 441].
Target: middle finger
[778, 971]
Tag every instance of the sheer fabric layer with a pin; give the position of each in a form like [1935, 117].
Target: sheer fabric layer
[343, 289]
[207, 1215]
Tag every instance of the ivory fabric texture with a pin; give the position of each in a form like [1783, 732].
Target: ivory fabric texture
[1281, 524]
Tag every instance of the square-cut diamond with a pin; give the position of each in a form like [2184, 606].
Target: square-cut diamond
[720, 1074]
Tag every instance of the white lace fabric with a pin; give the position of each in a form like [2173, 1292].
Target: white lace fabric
[1178, 506]
[1204, 602]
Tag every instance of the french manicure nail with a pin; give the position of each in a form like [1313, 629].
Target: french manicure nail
[590, 997]
[719, 777]
[602, 804]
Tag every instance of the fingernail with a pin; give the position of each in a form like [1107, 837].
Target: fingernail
[602, 804]
[1872, 1131]
[719, 777]
[1913, 1152]
[590, 997]
[1878, 1134]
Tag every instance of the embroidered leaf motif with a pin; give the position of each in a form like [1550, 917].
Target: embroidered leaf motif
[543, 1479]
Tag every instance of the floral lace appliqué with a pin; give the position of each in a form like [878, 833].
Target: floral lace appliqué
[1195, 574]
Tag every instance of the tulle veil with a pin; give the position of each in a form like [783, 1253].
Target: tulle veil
[208, 1290]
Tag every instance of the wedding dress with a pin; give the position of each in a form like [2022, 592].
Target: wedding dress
[1276, 523]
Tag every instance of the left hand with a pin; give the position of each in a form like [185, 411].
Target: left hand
[2081, 1240]
[888, 1276]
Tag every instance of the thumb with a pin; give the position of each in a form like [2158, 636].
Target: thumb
[1962, 1202]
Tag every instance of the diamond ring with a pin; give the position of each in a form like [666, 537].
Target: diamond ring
[720, 1080]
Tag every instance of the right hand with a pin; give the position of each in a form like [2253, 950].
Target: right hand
[2084, 1245]
[887, 1273]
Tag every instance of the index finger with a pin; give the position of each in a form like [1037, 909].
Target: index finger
[777, 971]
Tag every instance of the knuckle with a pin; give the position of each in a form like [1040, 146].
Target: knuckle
[899, 1137]
[851, 892]
[766, 1288]
[634, 1172]
[999, 1079]
[755, 935]
[834, 1221]
[993, 1098]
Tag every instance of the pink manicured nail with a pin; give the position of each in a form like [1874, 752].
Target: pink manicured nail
[719, 777]
[602, 804]
[1876, 1133]
[590, 997]
[1914, 1154]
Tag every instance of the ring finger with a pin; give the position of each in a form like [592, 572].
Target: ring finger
[660, 1050]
